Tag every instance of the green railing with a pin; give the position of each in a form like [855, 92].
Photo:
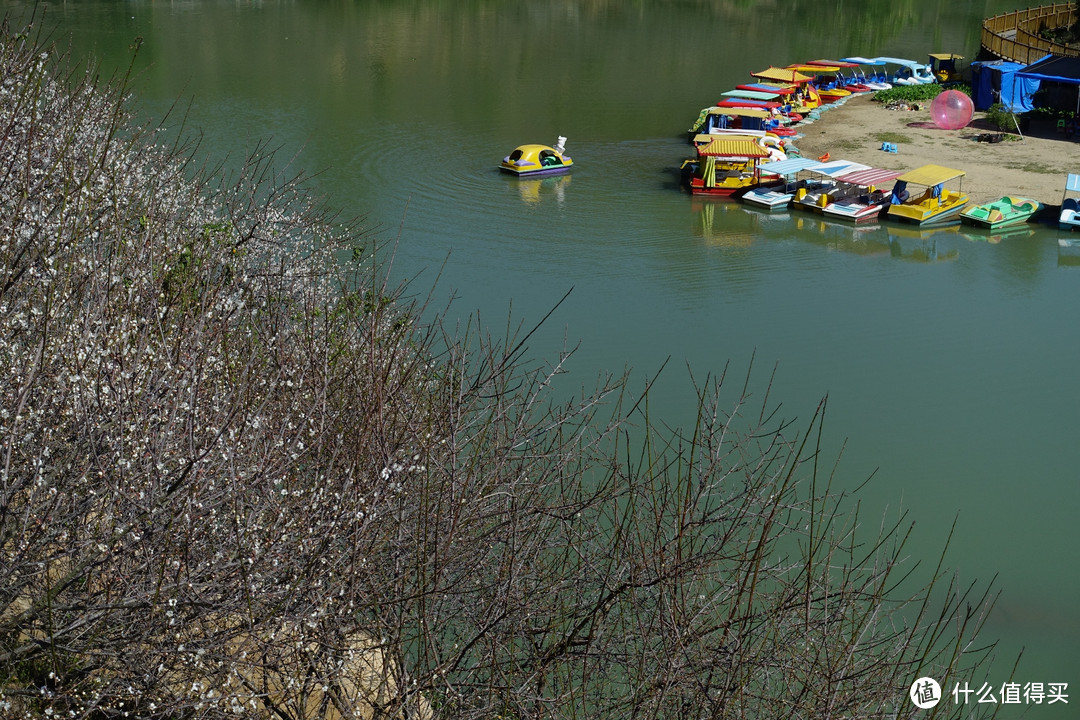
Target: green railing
[1014, 36]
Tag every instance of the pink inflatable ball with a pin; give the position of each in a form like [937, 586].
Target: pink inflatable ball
[952, 110]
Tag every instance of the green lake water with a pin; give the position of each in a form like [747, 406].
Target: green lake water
[949, 361]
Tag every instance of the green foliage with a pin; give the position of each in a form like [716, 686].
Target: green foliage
[1001, 117]
[909, 93]
[1049, 113]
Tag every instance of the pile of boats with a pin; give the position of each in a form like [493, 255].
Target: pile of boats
[743, 150]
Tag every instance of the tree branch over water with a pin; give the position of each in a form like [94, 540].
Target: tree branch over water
[241, 476]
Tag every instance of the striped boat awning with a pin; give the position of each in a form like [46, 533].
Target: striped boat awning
[836, 168]
[873, 176]
[1073, 182]
[740, 112]
[788, 75]
[814, 68]
[790, 166]
[734, 147]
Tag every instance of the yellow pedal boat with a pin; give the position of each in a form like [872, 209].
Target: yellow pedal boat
[935, 204]
[533, 160]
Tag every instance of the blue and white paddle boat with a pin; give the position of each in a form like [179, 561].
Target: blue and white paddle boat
[1069, 219]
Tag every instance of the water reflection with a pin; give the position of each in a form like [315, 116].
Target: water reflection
[857, 238]
[1068, 252]
[994, 237]
[722, 222]
[535, 190]
[919, 244]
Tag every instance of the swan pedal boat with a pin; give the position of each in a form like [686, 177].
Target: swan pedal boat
[533, 160]
[1007, 210]
[908, 72]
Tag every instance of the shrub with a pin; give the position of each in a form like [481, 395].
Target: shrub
[909, 93]
[240, 477]
[1001, 117]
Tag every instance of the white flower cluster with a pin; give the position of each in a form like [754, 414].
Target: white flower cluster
[179, 440]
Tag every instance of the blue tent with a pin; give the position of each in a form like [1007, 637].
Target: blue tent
[1057, 69]
[1001, 81]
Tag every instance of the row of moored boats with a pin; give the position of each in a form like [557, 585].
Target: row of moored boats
[743, 151]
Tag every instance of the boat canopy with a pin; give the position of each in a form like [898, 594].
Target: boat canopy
[866, 178]
[1073, 182]
[782, 88]
[833, 63]
[734, 146]
[791, 166]
[835, 168]
[865, 61]
[900, 61]
[814, 68]
[930, 175]
[741, 112]
[788, 75]
[751, 94]
[747, 103]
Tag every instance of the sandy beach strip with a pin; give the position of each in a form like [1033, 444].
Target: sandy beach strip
[1032, 166]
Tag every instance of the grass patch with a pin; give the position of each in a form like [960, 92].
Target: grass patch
[848, 145]
[1038, 168]
[891, 137]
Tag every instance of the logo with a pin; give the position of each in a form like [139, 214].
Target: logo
[925, 693]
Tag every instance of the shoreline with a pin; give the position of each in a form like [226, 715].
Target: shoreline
[1034, 166]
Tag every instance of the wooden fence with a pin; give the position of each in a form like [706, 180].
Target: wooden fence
[1014, 36]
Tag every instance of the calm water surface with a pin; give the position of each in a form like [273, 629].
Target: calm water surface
[949, 359]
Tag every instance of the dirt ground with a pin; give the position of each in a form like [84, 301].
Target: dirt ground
[1032, 167]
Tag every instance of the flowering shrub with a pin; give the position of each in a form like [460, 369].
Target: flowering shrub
[238, 477]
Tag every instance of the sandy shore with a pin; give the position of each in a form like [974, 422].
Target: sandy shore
[1033, 167]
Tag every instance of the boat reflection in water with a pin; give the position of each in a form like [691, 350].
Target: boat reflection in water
[1019, 232]
[536, 189]
[721, 221]
[1069, 251]
[922, 244]
[858, 239]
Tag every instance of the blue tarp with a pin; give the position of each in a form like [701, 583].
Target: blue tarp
[1055, 69]
[1002, 82]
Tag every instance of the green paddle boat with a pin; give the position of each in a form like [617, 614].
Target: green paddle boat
[1004, 211]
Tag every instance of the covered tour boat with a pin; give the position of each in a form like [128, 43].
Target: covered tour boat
[727, 166]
